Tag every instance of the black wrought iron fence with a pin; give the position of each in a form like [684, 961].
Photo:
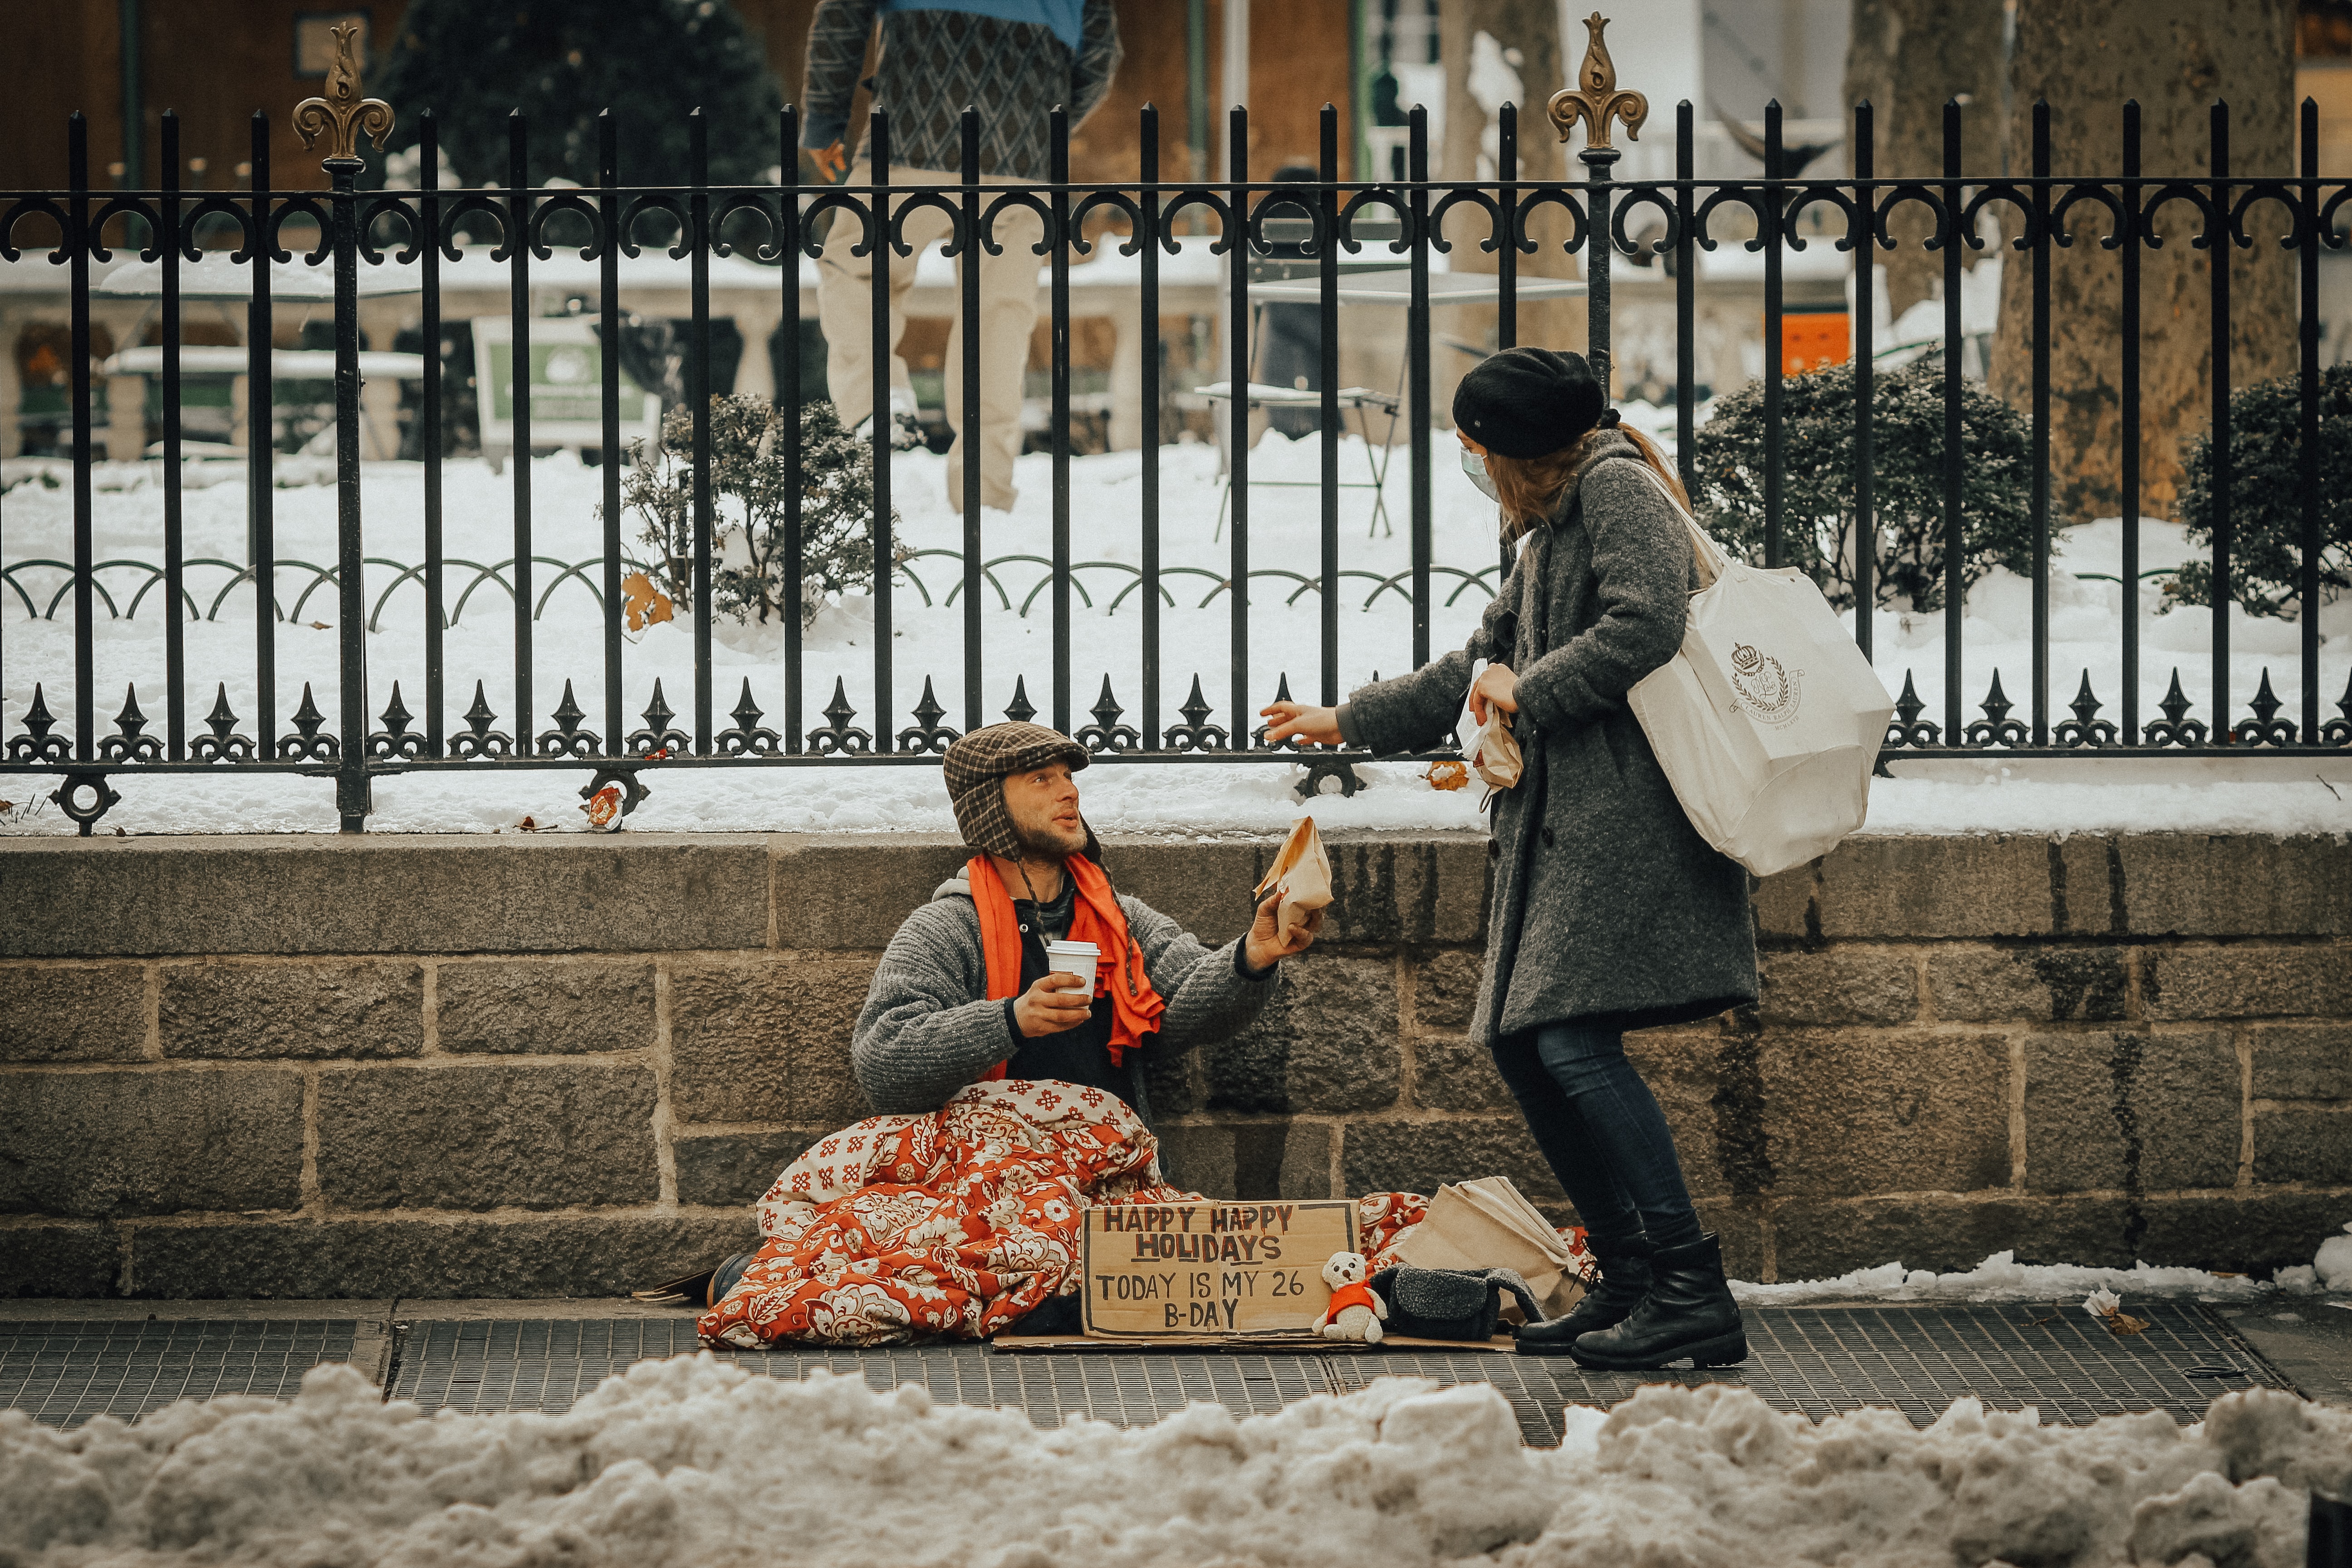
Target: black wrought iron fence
[1416, 221]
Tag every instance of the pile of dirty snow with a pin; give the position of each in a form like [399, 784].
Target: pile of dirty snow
[691, 1462]
[2001, 1278]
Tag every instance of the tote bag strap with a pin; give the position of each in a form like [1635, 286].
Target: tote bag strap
[1712, 560]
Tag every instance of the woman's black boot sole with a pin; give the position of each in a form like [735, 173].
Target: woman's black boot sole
[1730, 1349]
[1558, 1336]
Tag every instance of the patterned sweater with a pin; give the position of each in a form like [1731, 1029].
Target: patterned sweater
[928, 1028]
[939, 57]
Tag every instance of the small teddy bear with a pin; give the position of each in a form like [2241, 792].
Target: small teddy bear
[1355, 1308]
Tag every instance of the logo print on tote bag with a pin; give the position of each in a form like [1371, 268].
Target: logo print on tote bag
[1771, 692]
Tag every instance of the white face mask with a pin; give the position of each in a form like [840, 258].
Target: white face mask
[1475, 467]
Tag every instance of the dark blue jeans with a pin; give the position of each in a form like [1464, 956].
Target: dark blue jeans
[1599, 1128]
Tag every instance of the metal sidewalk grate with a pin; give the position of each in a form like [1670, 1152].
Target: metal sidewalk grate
[549, 1365]
[64, 1374]
[1814, 1360]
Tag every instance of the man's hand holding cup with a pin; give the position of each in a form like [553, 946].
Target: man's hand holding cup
[1065, 998]
[1056, 1003]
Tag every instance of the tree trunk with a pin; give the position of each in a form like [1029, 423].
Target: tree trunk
[1531, 27]
[1909, 57]
[2176, 57]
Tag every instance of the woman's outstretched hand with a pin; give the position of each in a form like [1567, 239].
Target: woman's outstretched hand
[1496, 684]
[1297, 721]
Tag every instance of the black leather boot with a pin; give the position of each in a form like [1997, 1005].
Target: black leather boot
[1688, 1313]
[1624, 1280]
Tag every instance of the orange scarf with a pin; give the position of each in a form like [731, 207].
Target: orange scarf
[1135, 1006]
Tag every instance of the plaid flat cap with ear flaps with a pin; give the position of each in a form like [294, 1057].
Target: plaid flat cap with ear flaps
[976, 767]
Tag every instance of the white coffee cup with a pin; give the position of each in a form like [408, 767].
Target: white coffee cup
[1078, 958]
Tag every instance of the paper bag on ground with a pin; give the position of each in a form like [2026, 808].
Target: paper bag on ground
[1303, 872]
[1488, 1224]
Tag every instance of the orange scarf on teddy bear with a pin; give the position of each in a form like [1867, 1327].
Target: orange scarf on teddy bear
[1135, 1006]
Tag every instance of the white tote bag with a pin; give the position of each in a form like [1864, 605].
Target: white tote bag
[1768, 720]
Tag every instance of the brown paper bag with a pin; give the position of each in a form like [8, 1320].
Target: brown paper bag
[1495, 755]
[1303, 872]
[1488, 1224]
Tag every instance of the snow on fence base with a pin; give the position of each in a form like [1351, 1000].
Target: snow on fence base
[689, 1462]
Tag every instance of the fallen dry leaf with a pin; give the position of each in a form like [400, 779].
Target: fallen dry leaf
[320, 627]
[642, 604]
[1447, 776]
[529, 825]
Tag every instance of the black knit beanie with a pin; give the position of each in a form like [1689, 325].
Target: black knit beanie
[1524, 403]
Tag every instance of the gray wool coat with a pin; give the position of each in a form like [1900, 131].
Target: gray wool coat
[1608, 909]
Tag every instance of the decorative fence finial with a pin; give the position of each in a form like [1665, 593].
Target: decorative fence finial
[1598, 100]
[342, 114]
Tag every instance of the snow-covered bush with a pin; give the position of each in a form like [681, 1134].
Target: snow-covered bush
[1817, 489]
[749, 487]
[2266, 498]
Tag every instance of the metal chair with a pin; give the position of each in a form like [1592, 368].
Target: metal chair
[1376, 454]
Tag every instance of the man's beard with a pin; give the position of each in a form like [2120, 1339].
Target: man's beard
[1044, 841]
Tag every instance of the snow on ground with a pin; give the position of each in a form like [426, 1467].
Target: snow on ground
[1200, 800]
[1375, 636]
[690, 1462]
[2001, 1278]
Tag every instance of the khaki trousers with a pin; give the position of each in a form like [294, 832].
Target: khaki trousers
[1008, 314]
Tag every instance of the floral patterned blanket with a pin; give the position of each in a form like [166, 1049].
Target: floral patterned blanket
[956, 1223]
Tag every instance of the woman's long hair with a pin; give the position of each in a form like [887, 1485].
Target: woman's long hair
[1530, 487]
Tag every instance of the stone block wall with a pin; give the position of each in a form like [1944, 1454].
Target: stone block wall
[466, 1066]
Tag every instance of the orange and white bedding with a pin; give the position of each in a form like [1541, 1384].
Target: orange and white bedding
[956, 1223]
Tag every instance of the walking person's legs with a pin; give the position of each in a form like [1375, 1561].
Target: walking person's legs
[1008, 315]
[844, 298]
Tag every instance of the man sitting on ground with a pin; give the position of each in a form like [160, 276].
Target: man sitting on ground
[964, 991]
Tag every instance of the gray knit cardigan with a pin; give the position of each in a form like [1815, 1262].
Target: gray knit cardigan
[928, 1029]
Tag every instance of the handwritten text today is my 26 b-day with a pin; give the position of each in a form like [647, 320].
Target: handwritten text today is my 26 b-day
[1253, 1244]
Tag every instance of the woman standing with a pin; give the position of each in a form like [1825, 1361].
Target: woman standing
[1610, 911]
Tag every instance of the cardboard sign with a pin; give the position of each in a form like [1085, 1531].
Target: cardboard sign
[1212, 1270]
